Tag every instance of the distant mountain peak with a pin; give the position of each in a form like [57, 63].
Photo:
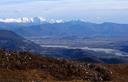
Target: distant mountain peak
[30, 20]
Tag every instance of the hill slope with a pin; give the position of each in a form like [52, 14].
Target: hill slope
[26, 66]
[17, 66]
[11, 41]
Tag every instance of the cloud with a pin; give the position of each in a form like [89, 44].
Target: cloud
[7, 2]
[93, 10]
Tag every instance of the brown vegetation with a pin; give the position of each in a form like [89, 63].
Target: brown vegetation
[119, 72]
[24, 66]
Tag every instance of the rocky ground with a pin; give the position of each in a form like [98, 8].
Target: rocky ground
[25, 67]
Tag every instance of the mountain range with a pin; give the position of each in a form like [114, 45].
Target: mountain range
[34, 20]
[14, 33]
[37, 27]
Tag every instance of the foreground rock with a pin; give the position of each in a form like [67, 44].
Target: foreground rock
[26, 66]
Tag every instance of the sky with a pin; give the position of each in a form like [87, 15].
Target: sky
[88, 10]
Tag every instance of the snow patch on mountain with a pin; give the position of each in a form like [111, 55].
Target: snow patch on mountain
[18, 20]
[30, 20]
[56, 21]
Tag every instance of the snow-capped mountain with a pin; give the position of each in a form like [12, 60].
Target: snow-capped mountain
[30, 20]
[38, 26]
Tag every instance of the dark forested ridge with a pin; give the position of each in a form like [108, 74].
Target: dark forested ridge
[11, 41]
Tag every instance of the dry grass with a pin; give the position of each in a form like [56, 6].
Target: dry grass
[26, 67]
[119, 72]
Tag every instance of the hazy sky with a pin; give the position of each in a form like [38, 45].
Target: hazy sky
[89, 10]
